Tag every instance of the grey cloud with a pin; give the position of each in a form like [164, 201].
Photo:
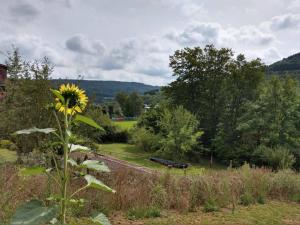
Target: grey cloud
[24, 11]
[81, 44]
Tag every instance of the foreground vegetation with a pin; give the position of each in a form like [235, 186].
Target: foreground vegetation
[274, 212]
[233, 196]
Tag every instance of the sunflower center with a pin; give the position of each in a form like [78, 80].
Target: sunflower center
[71, 97]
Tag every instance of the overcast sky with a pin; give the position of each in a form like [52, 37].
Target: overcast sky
[131, 40]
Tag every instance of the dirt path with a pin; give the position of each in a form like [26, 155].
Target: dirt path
[116, 164]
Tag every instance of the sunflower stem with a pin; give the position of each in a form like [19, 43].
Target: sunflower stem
[65, 174]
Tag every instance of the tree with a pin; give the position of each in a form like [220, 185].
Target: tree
[27, 95]
[179, 133]
[201, 75]
[241, 87]
[131, 105]
[273, 119]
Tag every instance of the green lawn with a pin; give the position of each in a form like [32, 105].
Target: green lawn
[7, 156]
[272, 213]
[133, 155]
[125, 125]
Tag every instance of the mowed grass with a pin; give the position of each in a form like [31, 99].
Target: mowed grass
[132, 154]
[7, 156]
[125, 125]
[272, 213]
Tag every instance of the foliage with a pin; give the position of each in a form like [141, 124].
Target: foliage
[140, 213]
[210, 206]
[28, 83]
[181, 134]
[290, 64]
[277, 158]
[215, 87]
[145, 140]
[131, 104]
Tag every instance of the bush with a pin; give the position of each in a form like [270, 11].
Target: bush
[8, 145]
[247, 199]
[180, 133]
[145, 140]
[140, 213]
[277, 158]
[210, 206]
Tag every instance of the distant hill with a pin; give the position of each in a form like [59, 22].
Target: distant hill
[106, 90]
[286, 66]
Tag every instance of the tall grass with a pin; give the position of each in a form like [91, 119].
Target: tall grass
[135, 190]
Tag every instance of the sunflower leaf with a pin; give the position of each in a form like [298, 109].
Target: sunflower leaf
[88, 121]
[72, 162]
[101, 219]
[78, 148]
[95, 165]
[33, 213]
[35, 130]
[58, 95]
[97, 184]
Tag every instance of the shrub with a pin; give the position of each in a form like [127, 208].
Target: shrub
[8, 145]
[140, 213]
[210, 206]
[180, 133]
[277, 158]
[145, 139]
[247, 199]
[284, 184]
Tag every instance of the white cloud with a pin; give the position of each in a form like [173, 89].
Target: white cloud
[286, 21]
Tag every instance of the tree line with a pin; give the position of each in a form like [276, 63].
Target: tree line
[243, 114]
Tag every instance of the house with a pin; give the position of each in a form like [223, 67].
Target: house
[3, 76]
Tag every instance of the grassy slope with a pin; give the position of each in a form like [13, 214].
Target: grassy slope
[272, 213]
[133, 155]
[7, 156]
[125, 125]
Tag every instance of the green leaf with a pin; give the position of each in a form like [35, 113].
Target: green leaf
[101, 219]
[94, 183]
[87, 121]
[58, 95]
[33, 213]
[78, 148]
[95, 165]
[35, 130]
[72, 162]
[32, 171]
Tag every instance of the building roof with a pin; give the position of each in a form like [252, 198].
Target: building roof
[3, 66]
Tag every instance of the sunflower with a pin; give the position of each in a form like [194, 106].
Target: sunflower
[75, 99]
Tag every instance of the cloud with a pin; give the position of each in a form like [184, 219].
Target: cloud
[286, 21]
[81, 44]
[213, 33]
[33, 47]
[196, 34]
[23, 11]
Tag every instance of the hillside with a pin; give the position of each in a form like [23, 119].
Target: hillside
[103, 90]
[289, 65]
